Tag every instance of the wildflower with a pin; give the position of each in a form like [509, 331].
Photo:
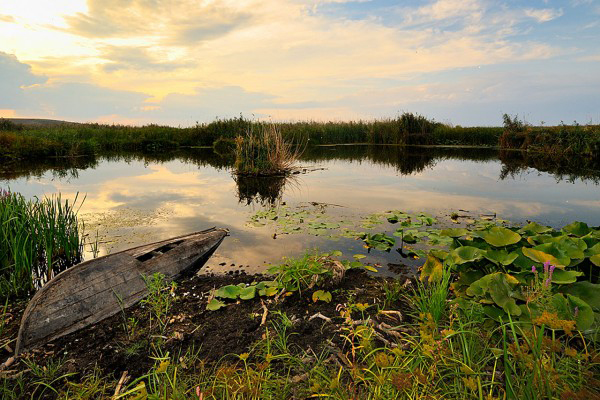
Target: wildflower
[533, 269]
[546, 267]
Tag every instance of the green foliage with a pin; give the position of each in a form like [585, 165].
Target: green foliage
[38, 239]
[159, 299]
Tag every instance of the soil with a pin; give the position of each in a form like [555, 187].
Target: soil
[216, 335]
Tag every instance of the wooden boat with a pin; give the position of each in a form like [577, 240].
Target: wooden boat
[97, 289]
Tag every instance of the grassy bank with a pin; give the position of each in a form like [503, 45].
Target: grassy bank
[498, 312]
[38, 239]
[69, 140]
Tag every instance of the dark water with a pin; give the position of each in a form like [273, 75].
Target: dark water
[133, 199]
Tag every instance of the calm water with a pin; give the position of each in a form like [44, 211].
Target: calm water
[133, 200]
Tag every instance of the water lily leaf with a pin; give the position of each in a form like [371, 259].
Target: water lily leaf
[595, 260]
[228, 292]
[572, 308]
[431, 270]
[454, 232]
[269, 291]
[592, 251]
[336, 253]
[501, 256]
[586, 291]
[322, 296]
[577, 228]
[540, 256]
[572, 247]
[464, 254]
[214, 305]
[561, 276]
[369, 267]
[499, 236]
[248, 293]
[495, 313]
[533, 228]
[500, 287]
[359, 256]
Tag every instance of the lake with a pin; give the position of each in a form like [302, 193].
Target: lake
[135, 199]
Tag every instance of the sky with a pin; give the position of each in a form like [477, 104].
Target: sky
[180, 62]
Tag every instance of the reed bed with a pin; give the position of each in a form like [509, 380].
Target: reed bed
[38, 239]
[263, 151]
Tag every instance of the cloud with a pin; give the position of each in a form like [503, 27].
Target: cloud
[543, 15]
[136, 58]
[7, 18]
[15, 75]
[180, 22]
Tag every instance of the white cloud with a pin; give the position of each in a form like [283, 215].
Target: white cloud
[543, 15]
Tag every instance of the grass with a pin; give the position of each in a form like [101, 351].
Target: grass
[38, 239]
[263, 151]
[447, 349]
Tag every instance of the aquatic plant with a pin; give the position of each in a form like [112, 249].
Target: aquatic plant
[263, 151]
[38, 239]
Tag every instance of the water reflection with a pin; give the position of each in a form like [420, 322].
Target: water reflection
[141, 198]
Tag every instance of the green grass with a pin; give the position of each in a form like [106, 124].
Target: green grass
[38, 239]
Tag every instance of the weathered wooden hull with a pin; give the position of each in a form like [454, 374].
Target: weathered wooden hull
[97, 289]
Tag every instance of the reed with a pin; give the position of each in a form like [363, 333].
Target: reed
[38, 239]
[264, 152]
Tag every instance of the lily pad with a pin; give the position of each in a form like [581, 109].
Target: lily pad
[499, 236]
[321, 295]
[500, 287]
[464, 254]
[248, 293]
[533, 228]
[595, 260]
[214, 305]
[586, 291]
[501, 256]
[562, 277]
[577, 228]
[228, 292]
[431, 270]
[454, 232]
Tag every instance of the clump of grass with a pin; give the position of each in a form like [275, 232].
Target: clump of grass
[38, 239]
[264, 151]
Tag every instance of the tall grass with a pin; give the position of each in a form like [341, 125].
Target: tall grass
[264, 151]
[38, 239]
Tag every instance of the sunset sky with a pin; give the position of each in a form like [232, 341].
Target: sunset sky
[177, 62]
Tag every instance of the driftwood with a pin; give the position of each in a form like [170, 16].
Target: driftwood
[97, 289]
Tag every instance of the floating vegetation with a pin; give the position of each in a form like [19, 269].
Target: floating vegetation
[524, 272]
[38, 239]
[312, 271]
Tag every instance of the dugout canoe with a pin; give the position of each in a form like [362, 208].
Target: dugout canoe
[97, 289]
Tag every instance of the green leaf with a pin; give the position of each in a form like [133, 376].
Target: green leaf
[501, 256]
[500, 287]
[322, 296]
[336, 253]
[454, 232]
[533, 228]
[248, 293]
[431, 270]
[586, 291]
[562, 277]
[228, 292]
[595, 260]
[592, 251]
[572, 308]
[214, 305]
[358, 256]
[369, 268]
[499, 236]
[464, 254]
[577, 228]
[541, 257]
[570, 246]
